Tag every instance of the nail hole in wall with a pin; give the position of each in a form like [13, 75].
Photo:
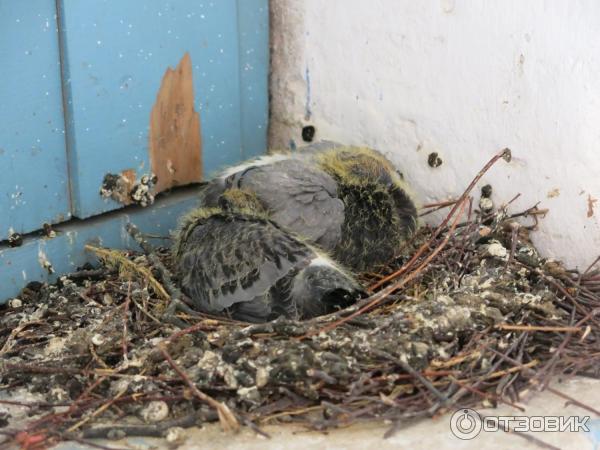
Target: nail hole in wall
[308, 133]
[434, 160]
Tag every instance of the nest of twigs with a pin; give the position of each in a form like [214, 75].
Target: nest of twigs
[472, 316]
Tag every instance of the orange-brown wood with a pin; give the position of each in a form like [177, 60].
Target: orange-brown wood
[175, 139]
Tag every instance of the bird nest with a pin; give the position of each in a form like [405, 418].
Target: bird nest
[471, 315]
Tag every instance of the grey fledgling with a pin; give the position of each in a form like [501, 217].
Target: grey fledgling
[349, 201]
[233, 260]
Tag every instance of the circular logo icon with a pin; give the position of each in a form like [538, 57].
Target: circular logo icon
[465, 424]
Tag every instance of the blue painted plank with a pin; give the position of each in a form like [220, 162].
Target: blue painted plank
[33, 185]
[253, 28]
[116, 55]
[65, 252]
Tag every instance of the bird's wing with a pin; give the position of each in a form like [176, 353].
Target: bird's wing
[300, 197]
[278, 303]
[230, 258]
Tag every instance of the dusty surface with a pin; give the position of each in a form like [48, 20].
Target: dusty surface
[477, 318]
[425, 434]
[468, 315]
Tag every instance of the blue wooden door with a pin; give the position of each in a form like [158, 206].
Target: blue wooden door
[34, 186]
[97, 95]
[116, 56]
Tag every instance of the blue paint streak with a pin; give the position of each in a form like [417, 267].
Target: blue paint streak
[308, 113]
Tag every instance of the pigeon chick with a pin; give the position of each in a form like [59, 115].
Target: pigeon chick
[233, 260]
[295, 192]
[379, 212]
[349, 201]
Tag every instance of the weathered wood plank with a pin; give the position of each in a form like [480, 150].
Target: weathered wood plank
[116, 56]
[33, 162]
[20, 265]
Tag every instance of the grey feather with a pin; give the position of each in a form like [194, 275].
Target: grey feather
[246, 266]
[349, 201]
[301, 197]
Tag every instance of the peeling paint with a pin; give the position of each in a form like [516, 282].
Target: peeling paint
[124, 189]
[14, 239]
[175, 139]
[590, 204]
[118, 186]
[43, 260]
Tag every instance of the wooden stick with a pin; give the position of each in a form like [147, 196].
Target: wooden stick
[227, 419]
[539, 328]
[377, 298]
[112, 255]
[506, 154]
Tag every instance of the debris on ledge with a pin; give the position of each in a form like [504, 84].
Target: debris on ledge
[468, 314]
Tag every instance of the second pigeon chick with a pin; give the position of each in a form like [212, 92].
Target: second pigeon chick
[379, 211]
[350, 201]
[233, 260]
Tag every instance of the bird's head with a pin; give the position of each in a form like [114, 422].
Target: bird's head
[232, 201]
[187, 223]
[358, 166]
[364, 173]
[241, 201]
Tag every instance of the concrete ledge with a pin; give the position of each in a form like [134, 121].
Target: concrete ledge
[423, 434]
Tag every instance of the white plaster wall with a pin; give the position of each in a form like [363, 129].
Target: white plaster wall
[461, 78]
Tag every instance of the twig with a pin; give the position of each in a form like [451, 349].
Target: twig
[508, 327]
[381, 295]
[485, 395]
[165, 274]
[506, 154]
[572, 400]
[125, 319]
[116, 257]
[544, 386]
[151, 430]
[100, 410]
[226, 417]
[406, 367]
[14, 333]
[433, 207]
